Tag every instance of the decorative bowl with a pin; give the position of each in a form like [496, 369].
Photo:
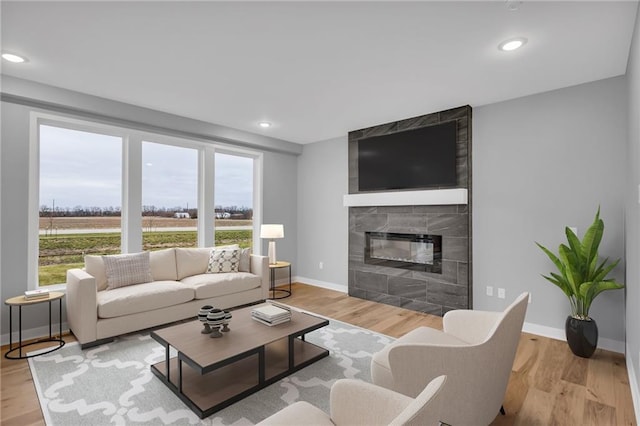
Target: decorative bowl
[202, 317]
[215, 319]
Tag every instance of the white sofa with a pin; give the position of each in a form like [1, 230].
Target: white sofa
[179, 288]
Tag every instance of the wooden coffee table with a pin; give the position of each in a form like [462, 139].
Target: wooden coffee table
[222, 371]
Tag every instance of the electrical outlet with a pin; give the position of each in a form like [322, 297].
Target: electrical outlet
[501, 293]
[489, 290]
[321, 265]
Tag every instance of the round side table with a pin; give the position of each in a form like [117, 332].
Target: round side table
[21, 301]
[272, 285]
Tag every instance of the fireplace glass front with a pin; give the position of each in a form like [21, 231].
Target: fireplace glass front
[420, 252]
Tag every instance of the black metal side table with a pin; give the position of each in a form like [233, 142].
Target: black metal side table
[272, 285]
[21, 301]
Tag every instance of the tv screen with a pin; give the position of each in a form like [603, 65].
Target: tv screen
[412, 159]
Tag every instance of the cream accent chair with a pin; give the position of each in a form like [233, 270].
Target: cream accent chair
[475, 350]
[354, 402]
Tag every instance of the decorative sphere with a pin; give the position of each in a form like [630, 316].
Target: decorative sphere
[215, 317]
[203, 312]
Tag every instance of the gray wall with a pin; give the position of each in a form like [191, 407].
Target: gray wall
[280, 201]
[322, 219]
[279, 197]
[541, 163]
[633, 210]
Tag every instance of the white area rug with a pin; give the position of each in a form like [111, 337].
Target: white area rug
[112, 384]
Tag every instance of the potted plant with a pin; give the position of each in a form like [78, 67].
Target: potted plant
[581, 277]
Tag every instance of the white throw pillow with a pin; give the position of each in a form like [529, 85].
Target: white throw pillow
[127, 269]
[222, 261]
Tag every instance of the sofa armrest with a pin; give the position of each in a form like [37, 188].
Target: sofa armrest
[82, 305]
[354, 402]
[260, 267]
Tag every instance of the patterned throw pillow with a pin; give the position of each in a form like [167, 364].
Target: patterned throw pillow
[223, 260]
[127, 269]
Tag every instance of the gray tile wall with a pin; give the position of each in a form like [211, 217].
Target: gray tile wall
[418, 291]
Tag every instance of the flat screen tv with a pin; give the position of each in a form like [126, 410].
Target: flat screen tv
[412, 159]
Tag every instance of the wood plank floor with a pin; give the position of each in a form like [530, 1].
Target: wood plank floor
[548, 385]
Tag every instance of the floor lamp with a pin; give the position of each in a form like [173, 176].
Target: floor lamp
[271, 232]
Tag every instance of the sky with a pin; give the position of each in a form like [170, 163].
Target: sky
[85, 169]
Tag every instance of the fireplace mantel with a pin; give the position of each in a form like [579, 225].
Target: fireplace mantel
[407, 198]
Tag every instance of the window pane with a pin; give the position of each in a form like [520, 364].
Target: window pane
[80, 199]
[169, 196]
[234, 199]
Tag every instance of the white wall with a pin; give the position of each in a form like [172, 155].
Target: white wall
[322, 219]
[633, 217]
[541, 163]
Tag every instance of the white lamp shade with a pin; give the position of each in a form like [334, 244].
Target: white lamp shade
[271, 231]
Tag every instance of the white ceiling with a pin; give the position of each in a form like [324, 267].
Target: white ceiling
[316, 70]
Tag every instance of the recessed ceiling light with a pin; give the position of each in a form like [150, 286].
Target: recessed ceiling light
[512, 44]
[264, 124]
[13, 58]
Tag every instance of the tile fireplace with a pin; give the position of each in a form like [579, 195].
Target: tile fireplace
[402, 251]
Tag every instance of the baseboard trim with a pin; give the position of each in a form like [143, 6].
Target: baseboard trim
[322, 284]
[558, 334]
[34, 333]
[633, 384]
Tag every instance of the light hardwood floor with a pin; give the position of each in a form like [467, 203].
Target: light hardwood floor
[548, 385]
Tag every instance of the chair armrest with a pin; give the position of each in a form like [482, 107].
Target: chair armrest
[260, 267]
[82, 305]
[413, 365]
[354, 402]
[471, 326]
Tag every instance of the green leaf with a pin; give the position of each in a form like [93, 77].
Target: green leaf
[574, 242]
[551, 256]
[603, 272]
[592, 238]
[561, 283]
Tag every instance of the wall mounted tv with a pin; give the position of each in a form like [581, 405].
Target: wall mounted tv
[411, 159]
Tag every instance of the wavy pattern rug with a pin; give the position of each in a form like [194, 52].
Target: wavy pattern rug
[113, 385]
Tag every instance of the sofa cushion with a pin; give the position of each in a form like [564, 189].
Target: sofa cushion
[223, 260]
[94, 266]
[142, 298]
[163, 265]
[194, 261]
[245, 260]
[127, 269]
[212, 285]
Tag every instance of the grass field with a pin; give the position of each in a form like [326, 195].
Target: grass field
[102, 222]
[61, 252]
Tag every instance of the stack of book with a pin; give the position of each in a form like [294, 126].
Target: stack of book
[36, 294]
[271, 314]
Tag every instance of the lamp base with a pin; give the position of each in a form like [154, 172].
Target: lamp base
[272, 252]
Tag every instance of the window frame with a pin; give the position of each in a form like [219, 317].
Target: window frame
[131, 209]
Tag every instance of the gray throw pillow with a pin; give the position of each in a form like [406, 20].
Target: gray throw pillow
[127, 269]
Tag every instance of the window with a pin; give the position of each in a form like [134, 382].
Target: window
[233, 199]
[79, 200]
[100, 189]
[169, 196]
